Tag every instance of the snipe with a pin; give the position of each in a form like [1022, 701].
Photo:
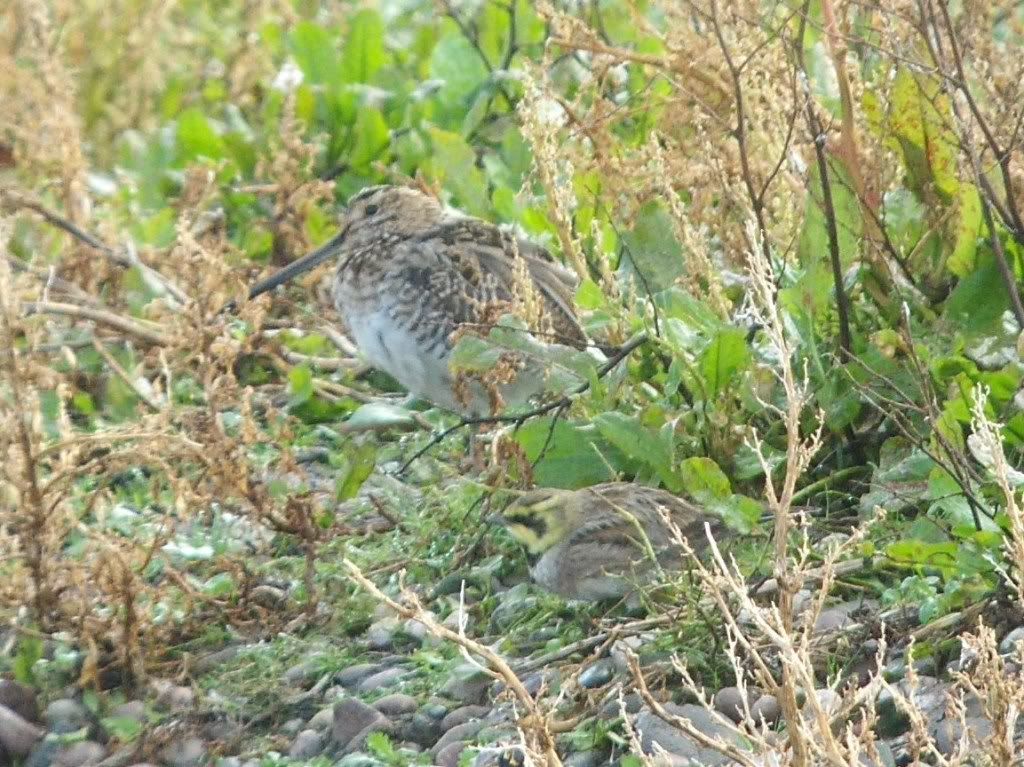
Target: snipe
[412, 274]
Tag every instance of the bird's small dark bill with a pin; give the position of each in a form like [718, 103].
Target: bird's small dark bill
[296, 268]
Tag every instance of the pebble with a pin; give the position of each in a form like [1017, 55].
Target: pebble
[829, 700]
[466, 731]
[173, 697]
[214, 660]
[396, 704]
[598, 674]
[65, 715]
[680, 746]
[423, 729]
[135, 710]
[767, 708]
[184, 752]
[462, 715]
[17, 736]
[307, 744]
[467, 684]
[357, 760]
[303, 674]
[595, 757]
[381, 634]
[450, 754]
[292, 727]
[322, 719]
[81, 754]
[269, 597]
[20, 699]
[353, 721]
[382, 679]
[1009, 642]
[729, 701]
[353, 675]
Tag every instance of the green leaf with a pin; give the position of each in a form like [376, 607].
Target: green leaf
[963, 258]
[30, 651]
[726, 355]
[703, 480]
[315, 53]
[639, 443]
[364, 52]
[454, 161]
[124, 728]
[371, 138]
[458, 65]
[300, 384]
[360, 465]
[976, 305]
[197, 138]
[650, 252]
[573, 456]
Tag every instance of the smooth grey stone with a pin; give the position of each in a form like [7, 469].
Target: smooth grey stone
[322, 719]
[382, 679]
[598, 674]
[65, 715]
[353, 675]
[767, 708]
[81, 754]
[947, 733]
[292, 727]
[269, 597]
[134, 710]
[450, 754]
[675, 742]
[354, 720]
[466, 731]
[303, 674]
[380, 636]
[307, 744]
[174, 697]
[729, 701]
[423, 730]
[358, 760]
[20, 699]
[1009, 642]
[396, 704]
[468, 684]
[829, 700]
[184, 752]
[594, 757]
[632, 701]
[462, 715]
[17, 736]
[214, 660]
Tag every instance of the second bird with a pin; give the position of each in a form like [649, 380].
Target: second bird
[411, 272]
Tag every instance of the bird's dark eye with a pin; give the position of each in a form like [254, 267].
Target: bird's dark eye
[371, 209]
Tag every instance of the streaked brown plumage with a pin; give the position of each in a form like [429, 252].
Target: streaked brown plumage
[411, 273]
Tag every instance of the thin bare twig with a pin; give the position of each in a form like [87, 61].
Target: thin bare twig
[102, 316]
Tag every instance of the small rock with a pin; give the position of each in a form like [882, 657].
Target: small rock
[382, 679]
[595, 757]
[174, 697]
[417, 631]
[269, 597]
[449, 755]
[302, 674]
[598, 674]
[468, 684]
[81, 754]
[381, 635]
[353, 675]
[65, 715]
[729, 701]
[20, 699]
[612, 709]
[1006, 646]
[767, 708]
[514, 603]
[353, 720]
[947, 733]
[396, 704]
[135, 710]
[680, 746]
[829, 700]
[307, 744]
[357, 760]
[292, 727]
[462, 715]
[214, 660]
[184, 752]
[832, 619]
[423, 729]
[466, 731]
[321, 720]
[17, 736]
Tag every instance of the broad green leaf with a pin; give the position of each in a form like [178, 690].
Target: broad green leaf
[315, 52]
[197, 138]
[459, 66]
[976, 305]
[359, 466]
[300, 383]
[726, 355]
[573, 456]
[364, 52]
[371, 138]
[651, 255]
[703, 480]
[639, 443]
[968, 229]
[454, 162]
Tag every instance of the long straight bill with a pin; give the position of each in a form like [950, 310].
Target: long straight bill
[296, 268]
